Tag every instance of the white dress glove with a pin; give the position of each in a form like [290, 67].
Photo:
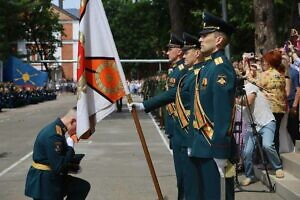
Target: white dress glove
[221, 163]
[138, 106]
[70, 142]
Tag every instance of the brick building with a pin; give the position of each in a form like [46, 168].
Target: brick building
[68, 51]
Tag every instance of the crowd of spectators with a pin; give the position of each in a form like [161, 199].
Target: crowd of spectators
[63, 86]
[276, 75]
[135, 86]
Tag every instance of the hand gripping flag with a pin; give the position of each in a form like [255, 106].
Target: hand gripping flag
[100, 76]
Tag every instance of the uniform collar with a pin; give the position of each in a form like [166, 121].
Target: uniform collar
[218, 53]
[62, 126]
[198, 65]
[179, 62]
[207, 58]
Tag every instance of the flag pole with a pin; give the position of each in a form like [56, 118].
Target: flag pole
[96, 43]
[145, 148]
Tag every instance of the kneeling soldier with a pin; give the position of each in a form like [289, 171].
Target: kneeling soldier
[53, 158]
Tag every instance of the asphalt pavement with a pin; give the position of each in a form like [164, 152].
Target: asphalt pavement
[114, 164]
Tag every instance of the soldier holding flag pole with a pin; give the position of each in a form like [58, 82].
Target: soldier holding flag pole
[187, 182]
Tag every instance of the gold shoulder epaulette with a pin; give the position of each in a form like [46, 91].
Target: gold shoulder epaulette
[181, 67]
[58, 130]
[196, 71]
[218, 60]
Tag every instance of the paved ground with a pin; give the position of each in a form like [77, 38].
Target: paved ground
[114, 164]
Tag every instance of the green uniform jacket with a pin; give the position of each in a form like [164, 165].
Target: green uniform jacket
[50, 148]
[217, 82]
[178, 70]
[183, 138]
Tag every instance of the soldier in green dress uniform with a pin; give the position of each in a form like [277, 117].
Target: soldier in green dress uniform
[175, 56]
[177, 70]
[53, 158]
[182, 137]
[212, 113]
[179, 96]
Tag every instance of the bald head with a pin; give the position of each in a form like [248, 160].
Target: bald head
[72, 113]
[70, 119]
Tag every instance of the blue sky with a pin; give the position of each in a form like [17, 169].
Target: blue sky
[68, 3]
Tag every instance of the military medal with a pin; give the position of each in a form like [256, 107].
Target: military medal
[204, 83]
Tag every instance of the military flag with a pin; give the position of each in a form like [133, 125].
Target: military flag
[100, 76]
[20, 73]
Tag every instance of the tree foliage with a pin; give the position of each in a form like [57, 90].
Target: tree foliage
[11, 25]
[127, 19]
[42, 28]
[33, 21]
[140, 29]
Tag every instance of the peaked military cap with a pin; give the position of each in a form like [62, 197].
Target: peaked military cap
[190, 42]
[212, 23]
[175, 41]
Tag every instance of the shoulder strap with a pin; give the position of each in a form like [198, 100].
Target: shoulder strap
[183, 115]
[201, 120]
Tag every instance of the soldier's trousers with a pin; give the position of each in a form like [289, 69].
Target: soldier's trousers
[74, 189]
[209, 179]
[77, 188]
[186, 173]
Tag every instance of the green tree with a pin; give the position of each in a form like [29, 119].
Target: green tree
[43, 28]
[241, 15]
[33, 21]
[140, 30]
[138, 27]
[127, 20]
[11, 26]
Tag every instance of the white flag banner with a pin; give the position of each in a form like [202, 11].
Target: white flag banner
[101, 79]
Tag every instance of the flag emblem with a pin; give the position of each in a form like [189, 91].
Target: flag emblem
[103, 76]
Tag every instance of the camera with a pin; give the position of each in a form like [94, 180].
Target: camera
[248, 55]
[288, 45]
[240, 81]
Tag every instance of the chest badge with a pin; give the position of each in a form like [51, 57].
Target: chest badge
[222, 80]
[171, 82]
[58, 147]
[204, 83]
